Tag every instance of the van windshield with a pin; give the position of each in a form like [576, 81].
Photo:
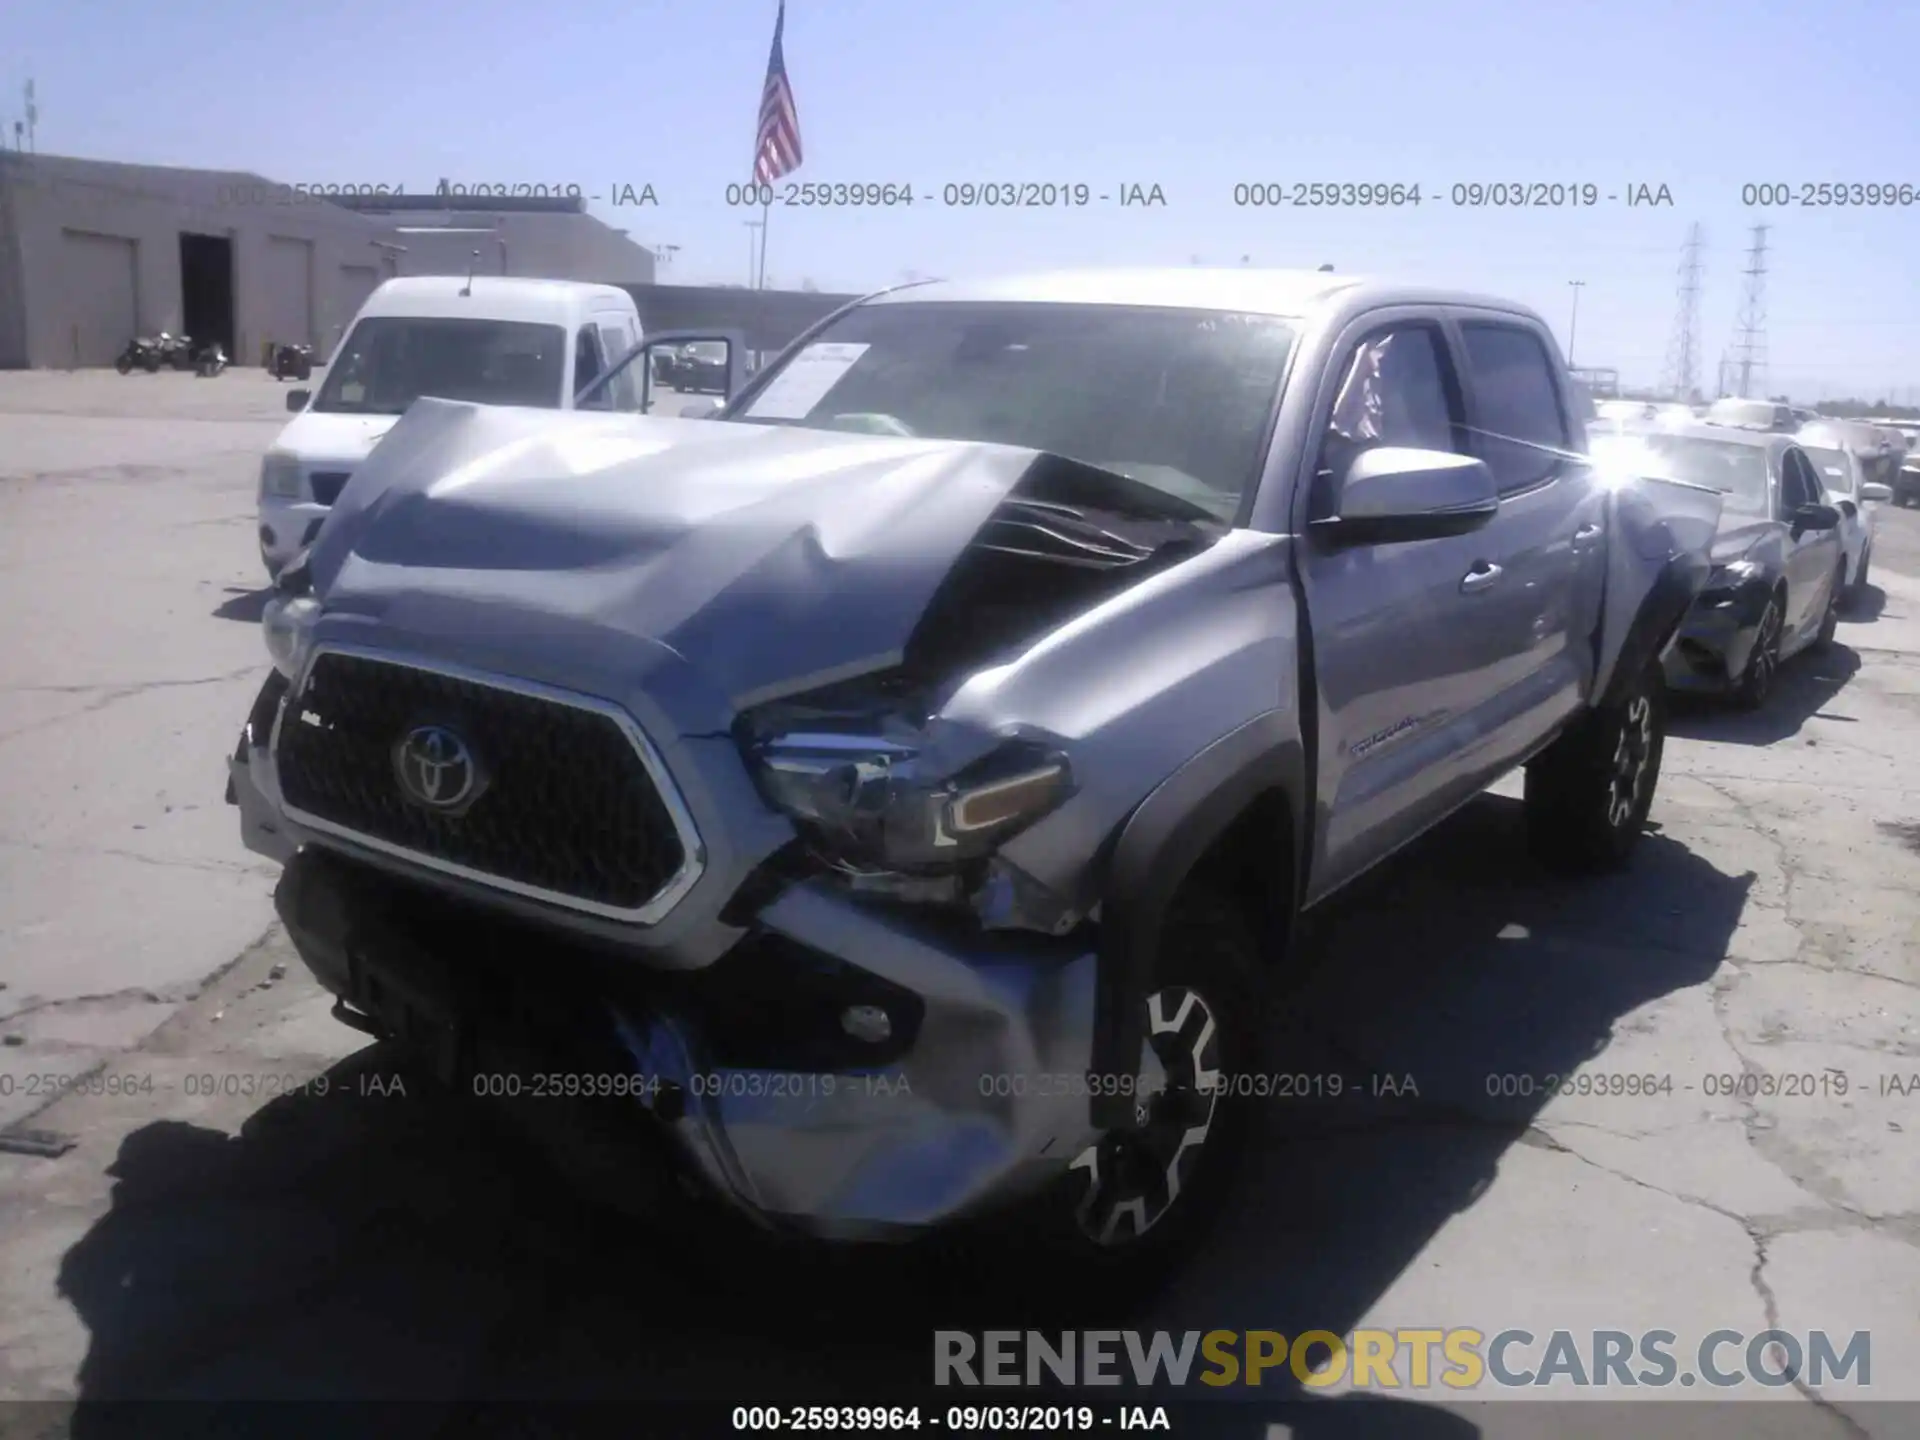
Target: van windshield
[389, 361]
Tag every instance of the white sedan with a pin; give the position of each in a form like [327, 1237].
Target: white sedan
[1857, 499]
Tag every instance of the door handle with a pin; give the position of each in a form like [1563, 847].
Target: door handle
[1587, 532]
[1483, 574]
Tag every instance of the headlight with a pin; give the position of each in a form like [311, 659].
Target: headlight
[870, 798]
[287, 622]
[279, 476]
[1733, 575]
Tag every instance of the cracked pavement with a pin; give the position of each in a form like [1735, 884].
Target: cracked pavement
[1739, 1015]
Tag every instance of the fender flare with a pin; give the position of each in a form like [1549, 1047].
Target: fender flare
[1152, 856]
[1659, 618]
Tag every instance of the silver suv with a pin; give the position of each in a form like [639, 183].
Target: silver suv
[896, 791]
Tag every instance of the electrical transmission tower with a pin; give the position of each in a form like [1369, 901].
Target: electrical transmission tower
[1683, 352]
[1750, 337]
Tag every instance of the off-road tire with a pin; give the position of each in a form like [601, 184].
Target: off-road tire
[1830, 621]
[1588, 794]
[1208, 947]
[1756, 683]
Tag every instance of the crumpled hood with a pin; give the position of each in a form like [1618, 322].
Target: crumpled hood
[772, 559]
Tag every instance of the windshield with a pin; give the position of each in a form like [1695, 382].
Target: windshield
[389, 361]
[1834, 471]
[1738, 471]
[1177, 399]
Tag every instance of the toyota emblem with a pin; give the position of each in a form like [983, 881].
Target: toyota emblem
[436, 768]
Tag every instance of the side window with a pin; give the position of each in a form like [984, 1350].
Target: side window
[587, 367]
[1521, 427]
[1398, 390]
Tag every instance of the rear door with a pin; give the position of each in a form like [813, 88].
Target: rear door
[1402, 654]
[1550, 534]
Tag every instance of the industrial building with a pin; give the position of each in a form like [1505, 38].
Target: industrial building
[94, 252]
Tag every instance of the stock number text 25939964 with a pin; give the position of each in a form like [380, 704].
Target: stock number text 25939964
[1831, 194]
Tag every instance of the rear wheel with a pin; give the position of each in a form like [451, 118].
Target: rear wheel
[123, 363]
[1588, 795]
[1755, 685]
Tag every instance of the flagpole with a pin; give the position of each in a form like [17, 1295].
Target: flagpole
[766, 209]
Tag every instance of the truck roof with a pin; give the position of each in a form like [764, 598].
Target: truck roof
[494, 297]
[1286, 294]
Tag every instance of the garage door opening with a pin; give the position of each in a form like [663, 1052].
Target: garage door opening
[206, 288]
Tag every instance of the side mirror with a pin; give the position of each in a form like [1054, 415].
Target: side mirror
[1390, 495]
[700, 409]
[1874, 490]
[297, 399]
[1815, 517]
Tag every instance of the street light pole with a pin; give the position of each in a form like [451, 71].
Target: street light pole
[1573, 326]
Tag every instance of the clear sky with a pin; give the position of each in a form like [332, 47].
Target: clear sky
[1195, 98]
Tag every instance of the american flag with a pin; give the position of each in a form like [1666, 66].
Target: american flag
[776, 149]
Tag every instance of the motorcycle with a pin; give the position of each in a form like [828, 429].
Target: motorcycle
[293, 362]
[210, 360]
[143, 351]
[177, 350]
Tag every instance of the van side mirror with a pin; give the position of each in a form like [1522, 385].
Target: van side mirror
[297, 399]
[1390, 494]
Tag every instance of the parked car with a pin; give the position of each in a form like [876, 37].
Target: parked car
[1878, 448]
[1741, 414]
[1905, 482]
[702, 369]
[1843, 474]
[1779, 570]
[906, 825]
[495, 340]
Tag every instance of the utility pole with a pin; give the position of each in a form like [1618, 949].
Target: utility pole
[33, 118]
[1683, 351]
[1750, 342]
[1573, 326]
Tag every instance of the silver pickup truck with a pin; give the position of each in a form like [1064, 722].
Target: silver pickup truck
[895, 791]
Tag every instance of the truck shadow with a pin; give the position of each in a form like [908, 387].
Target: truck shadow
[369, 1245]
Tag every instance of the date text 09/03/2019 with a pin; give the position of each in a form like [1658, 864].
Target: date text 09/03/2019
[951, 1419]
[1460, 195]
[955, 195]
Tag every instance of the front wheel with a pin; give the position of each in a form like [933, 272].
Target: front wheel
[1755, 686]
[1859, 589]
[1588, 794]
[1136, 1201]
[1830, 622]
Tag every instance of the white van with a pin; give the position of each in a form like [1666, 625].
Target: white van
[490, 339]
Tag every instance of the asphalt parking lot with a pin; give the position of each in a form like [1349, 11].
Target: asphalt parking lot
[212, 1233]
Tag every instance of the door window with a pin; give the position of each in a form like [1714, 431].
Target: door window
[587, 367]
[1520, 425]
[616, 343]
[1398, 390]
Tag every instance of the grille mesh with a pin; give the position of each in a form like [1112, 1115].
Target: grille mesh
[567, 804]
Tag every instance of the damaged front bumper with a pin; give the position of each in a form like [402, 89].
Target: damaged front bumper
[846, 1070]
[1716, 640]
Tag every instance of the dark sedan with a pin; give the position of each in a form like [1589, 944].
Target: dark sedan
[1779, 569]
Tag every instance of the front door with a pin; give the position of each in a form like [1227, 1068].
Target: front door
[1403, 650]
